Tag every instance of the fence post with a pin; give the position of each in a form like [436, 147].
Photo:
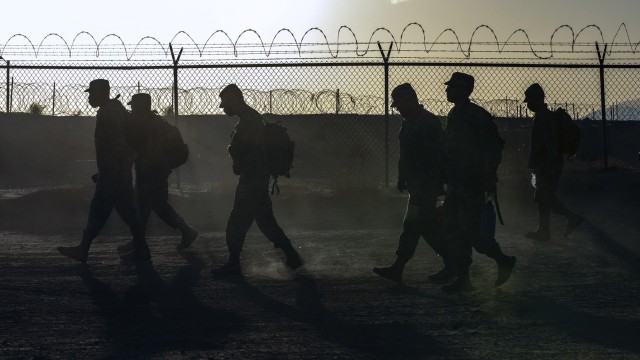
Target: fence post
[8, 79]
[175, 98]
[337, 101]
[53, 100]
[386, 110]
[603, 105]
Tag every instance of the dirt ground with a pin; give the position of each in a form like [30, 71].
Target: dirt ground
[576, 298]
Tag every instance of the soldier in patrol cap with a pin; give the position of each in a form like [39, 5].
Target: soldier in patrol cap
[147, 134]
[251, 201]
[472, 155]
[546, 162]
[420, 172]
[114, 189]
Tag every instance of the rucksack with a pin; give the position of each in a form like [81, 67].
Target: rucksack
[279, 151]
[568, 133]
[176, 152]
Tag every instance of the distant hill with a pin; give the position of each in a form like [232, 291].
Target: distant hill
[624, 111]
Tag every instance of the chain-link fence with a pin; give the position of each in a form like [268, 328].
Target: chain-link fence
[334, 111]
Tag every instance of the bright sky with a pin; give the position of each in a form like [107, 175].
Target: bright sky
[162, 19]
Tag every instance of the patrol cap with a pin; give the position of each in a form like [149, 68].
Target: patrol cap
[140, 100]
[534, 91]
[402, 91]
[98, 85]
[461, 79]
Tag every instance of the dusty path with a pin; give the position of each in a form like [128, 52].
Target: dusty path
[577, 298]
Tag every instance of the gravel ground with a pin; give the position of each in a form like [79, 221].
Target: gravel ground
[568, 298]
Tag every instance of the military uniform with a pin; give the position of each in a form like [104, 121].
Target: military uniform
[546, 161]
[472, 156]
[152, 172]
[251, 201]
[421, 166]
[114, 189]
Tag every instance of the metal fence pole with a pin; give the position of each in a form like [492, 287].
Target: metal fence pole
[175, 98]
[8, 89]
[603, 105]
[53, 100]
[386, 111]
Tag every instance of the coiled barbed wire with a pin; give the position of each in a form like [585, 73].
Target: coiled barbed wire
[236, 48]
[70, 100]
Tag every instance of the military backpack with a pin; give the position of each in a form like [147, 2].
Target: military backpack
[279, 151]
[176, 151]
[568, 133]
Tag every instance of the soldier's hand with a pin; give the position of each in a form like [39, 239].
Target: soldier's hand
[94, 178]
[401, 185]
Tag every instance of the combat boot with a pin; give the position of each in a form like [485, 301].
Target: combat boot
[189, 234]
[231, 268]
[442, 276]
[505, 268]
[393, 273]
[78, 253]
[293, 258]
[142, 253]
[81, 252]
[538, 235]
[462, 284]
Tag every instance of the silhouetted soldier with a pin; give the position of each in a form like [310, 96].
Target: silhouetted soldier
[251, 201]
[546, 162]
[114, 189]
[472, 155]
[148, 136]
[420, 171]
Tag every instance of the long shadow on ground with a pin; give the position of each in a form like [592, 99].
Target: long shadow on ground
[376, 341]
[155, 317]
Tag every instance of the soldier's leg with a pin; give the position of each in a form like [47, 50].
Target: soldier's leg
[412, 227]
[142, 202]
[240, 219]
[158, 195]
[544, 196]
[433, 232]
[460, 227]
[267, 223]
[101, 206]
[125, 206]
[554, 205]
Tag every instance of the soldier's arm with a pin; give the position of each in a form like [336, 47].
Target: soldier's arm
[115, 119]
[550, 138]
[436, 147]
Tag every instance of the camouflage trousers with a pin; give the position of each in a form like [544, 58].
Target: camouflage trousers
[463, 216]
[152, 194]
[109, 195]
[253, 203]
[420, 220]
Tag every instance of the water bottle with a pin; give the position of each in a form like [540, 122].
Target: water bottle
[533, 180]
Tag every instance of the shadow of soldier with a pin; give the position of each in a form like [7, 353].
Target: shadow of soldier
[383, 338]
[156, 317]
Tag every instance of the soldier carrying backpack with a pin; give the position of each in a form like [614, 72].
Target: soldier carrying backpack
[553, 134]
[159, 149]
[253, 156]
